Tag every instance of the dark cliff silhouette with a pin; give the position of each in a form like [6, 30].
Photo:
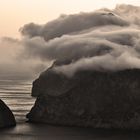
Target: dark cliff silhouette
[98, 99]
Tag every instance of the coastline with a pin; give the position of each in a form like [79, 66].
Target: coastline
[17, 95]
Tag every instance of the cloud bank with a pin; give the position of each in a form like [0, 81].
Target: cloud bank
[13, 65]
[105, 39]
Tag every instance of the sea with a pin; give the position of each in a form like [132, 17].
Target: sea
[16, 93]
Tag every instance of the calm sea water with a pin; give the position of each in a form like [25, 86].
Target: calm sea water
[16, 93]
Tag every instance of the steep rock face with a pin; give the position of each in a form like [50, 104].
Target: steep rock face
[89, 98]
[6, 116]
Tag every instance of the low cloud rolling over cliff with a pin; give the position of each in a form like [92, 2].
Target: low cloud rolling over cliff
[101, 40]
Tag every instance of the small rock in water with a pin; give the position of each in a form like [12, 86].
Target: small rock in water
[7, 118]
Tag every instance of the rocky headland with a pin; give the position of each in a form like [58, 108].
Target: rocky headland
[90, 98]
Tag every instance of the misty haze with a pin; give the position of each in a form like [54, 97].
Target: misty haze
[76, 76]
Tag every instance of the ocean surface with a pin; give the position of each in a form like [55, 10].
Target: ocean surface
[16, 93]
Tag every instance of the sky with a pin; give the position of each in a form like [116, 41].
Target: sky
[15, 13]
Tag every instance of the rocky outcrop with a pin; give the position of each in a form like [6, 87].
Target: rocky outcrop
[6, 116]
[89, 98]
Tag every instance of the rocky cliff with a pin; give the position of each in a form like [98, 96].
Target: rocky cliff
[98, 99]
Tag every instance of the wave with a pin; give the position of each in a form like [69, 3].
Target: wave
[17, 95]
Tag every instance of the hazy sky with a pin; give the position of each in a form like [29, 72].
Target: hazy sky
[16, 13]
